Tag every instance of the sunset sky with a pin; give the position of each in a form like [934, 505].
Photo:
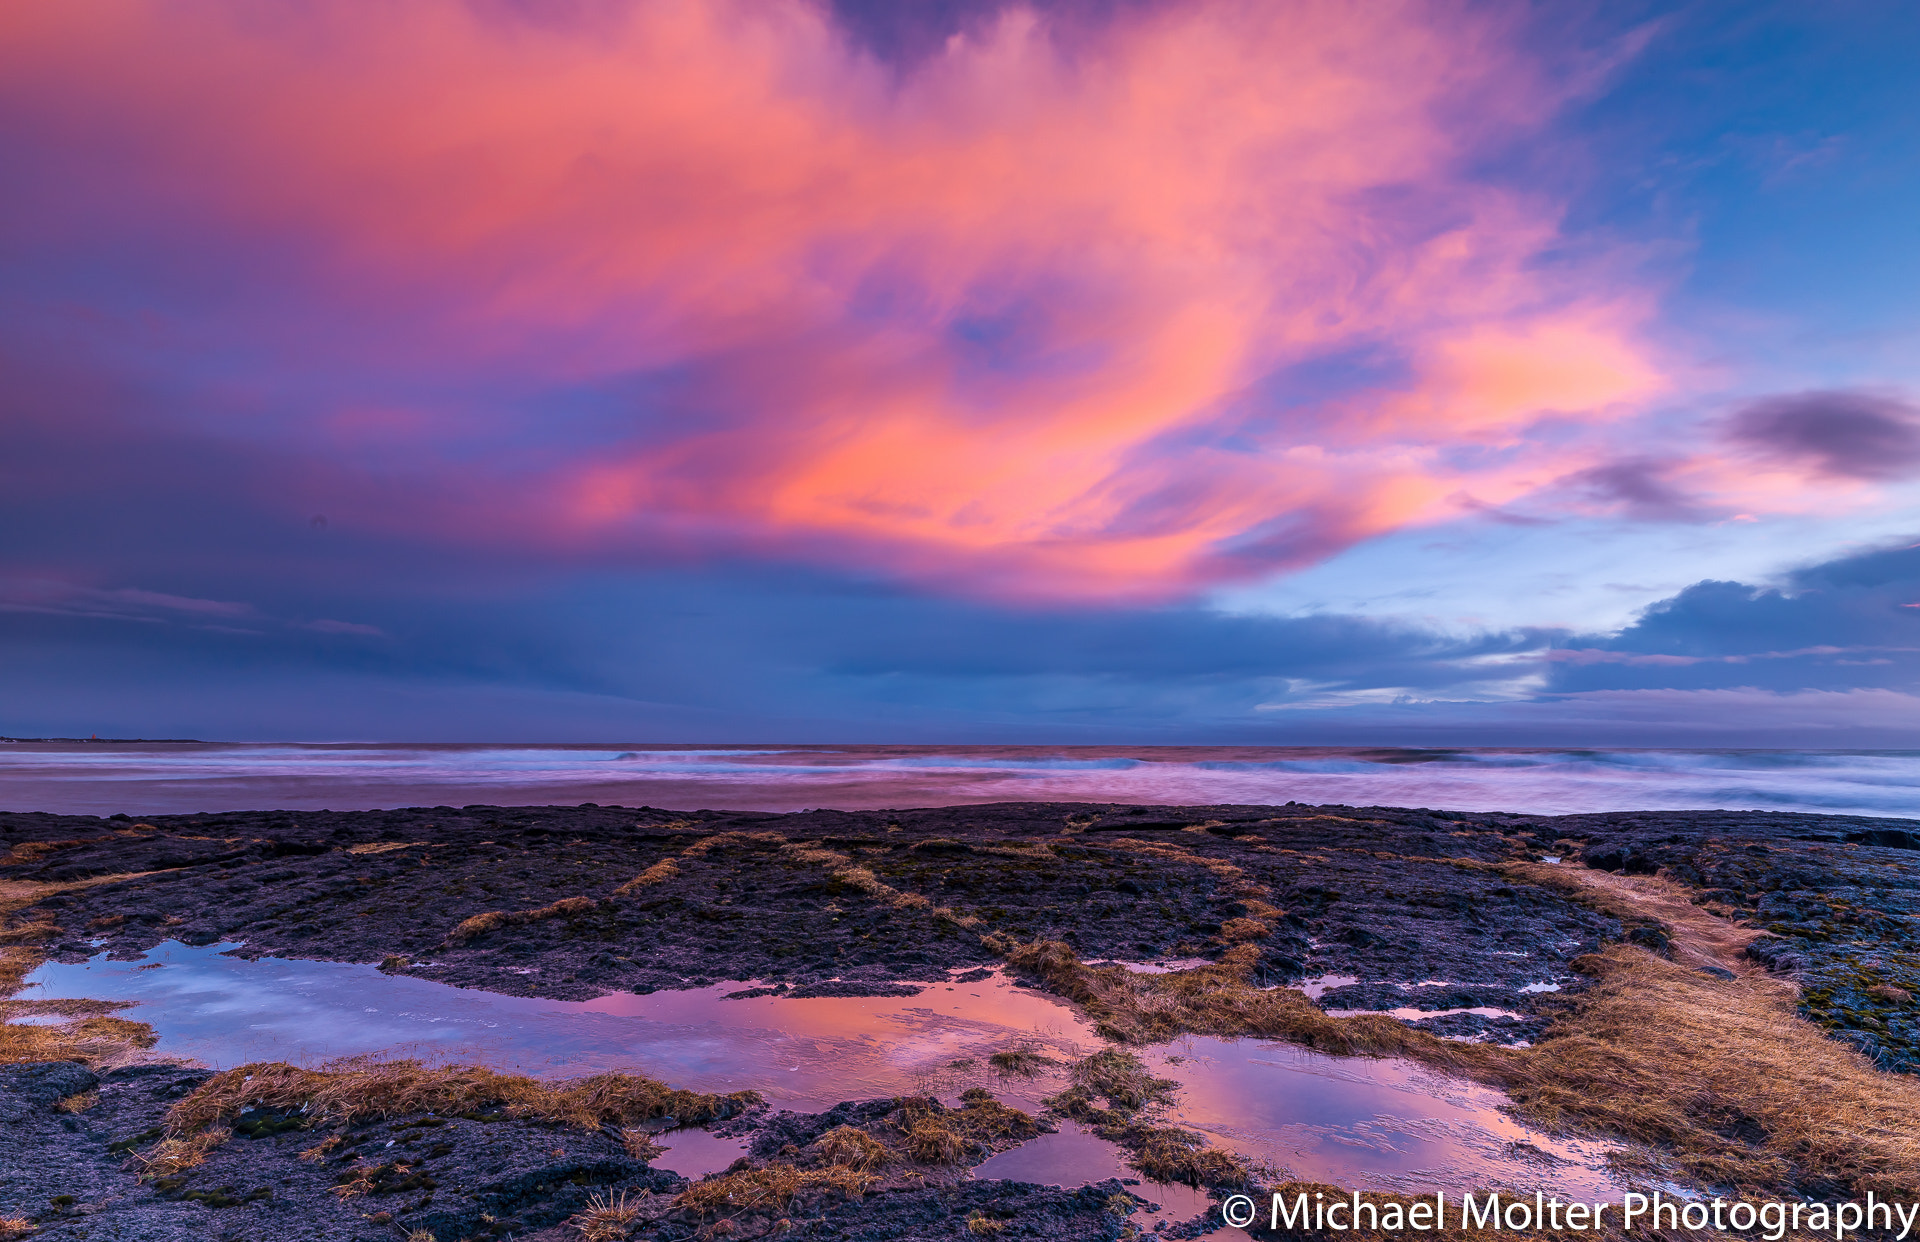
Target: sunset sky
[1103, 370]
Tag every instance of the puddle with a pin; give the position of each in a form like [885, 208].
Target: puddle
[1318, 986]
[804, 1055]
[1074, 1157]
[1372, 1124]
[1408, 1014]
[1381, 1124]
[694, 1153]
[1152, 968]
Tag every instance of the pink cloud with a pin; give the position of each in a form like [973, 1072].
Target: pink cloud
[994, 325]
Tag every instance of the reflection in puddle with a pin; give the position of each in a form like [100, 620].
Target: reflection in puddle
[1383, 1124]
[1373, 1124]
[694, 1153]
[1317, 986]
[1166, 967]
[803, 1055]
[1074, 1157]
[1409, 1014]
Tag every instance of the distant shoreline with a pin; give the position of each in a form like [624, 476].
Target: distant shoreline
[114, 741]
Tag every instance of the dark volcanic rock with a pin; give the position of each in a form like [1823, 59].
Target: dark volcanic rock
[1389, 896]
[1409, 903]
[456, 1178]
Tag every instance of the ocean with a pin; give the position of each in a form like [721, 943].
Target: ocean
[104, 778]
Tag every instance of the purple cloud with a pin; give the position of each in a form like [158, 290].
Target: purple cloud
[1850, 435]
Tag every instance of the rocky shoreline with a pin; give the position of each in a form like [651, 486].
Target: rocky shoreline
[1381, 909]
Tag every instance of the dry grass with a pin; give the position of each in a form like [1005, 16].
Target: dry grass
[1725, 1076]
[1113, 1092]
[493, 920]
[988, 1120]
[1722, 1076]
[78, 1103]
[93, 1041]
[15, 1226]
[1219, 999]
[847, 872]
[388, 1088]
[609, 1217]
[65, 1007]
[1020, 1062]
[933, 1139]
[659, 873]
[771, 1188]
[1166, 1154]
[319, 1150]
[178, 1154]
[99, 1040]
[932, 1134]
[1699, 937]
[639, 1144]
[33, 851]
[728, 840]
[852, 1148]
[1120, 1079]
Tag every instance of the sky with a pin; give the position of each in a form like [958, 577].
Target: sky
[1097, 371]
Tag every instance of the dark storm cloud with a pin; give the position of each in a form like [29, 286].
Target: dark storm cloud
[1857, 435]
[1848, 624]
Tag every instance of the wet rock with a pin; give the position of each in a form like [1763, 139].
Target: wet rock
[852, 987]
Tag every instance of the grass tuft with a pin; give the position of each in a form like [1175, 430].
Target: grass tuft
[639, 1144]
[1020, 1062]
[493, 920]
[94, 1041]
[852, 1148]
[389, 1088]
[659, 873]
[771, 1188]
[608, 1217]
[178, 1154]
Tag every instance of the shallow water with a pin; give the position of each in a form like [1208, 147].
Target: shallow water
[805, 1055]
[1075, 1157]
[1373, 1124]
[694, 1152]
[148, 778]
[1381, 1124]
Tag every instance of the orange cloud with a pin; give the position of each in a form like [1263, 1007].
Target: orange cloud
[1008, 321]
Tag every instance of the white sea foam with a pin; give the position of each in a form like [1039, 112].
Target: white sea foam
[106, 778]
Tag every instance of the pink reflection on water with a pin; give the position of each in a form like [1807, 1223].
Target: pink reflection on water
[1381, 1124]
[805, 1055]
[1075, 1157]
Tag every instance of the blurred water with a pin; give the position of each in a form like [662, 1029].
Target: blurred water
[108, 778]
